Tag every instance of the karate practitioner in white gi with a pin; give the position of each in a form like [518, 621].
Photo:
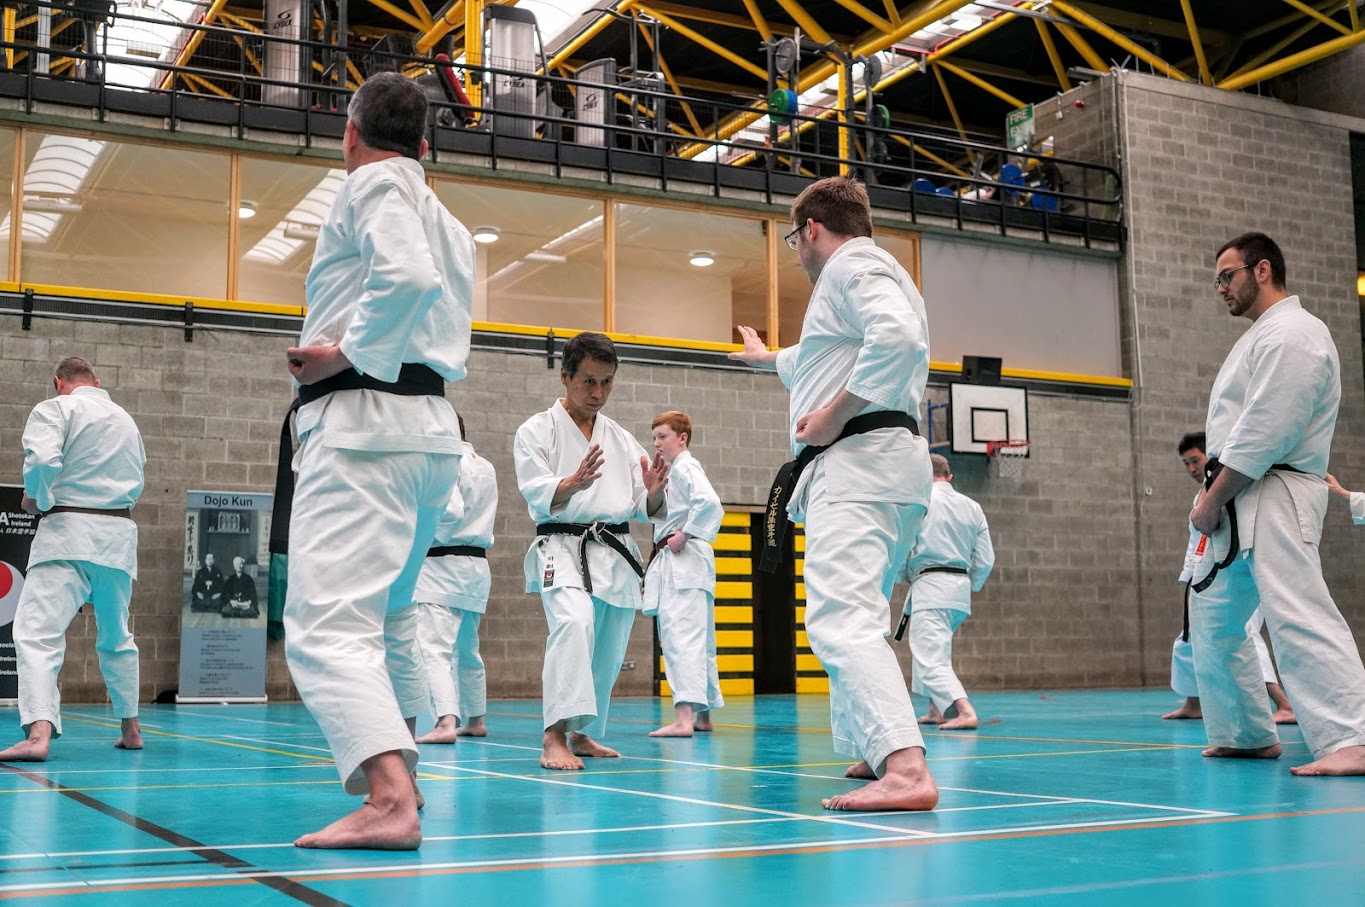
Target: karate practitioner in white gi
[83, 460]
[864, 349]
[1183, 682]
[951, 560]
[452, 595]
[584, 477]
[1355, 498]
[1272, 411]
[680, 585]
[390, 299]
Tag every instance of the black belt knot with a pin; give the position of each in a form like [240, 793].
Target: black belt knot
[775, 522]
[414, 380]
[1211, 470]
[600, 532]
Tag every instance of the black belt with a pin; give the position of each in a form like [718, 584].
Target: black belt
[460, 550]
[1211, 470]
[1185, 632]
[124, 512]
[775, 521]
[606, 533]
[956, 571]
[413, 381]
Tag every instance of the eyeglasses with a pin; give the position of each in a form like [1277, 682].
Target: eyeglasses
[791, 237]
[1225, 277]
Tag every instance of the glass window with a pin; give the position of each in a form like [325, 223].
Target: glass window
[283, 204]
[793, 286]
[7, 138]
[689, 274]
[120, 216]
[540, 258]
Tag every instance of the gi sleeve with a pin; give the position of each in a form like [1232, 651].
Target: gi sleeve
[704, 511]
[1286, 381]
[400, 283]
[1357, 507]
[786, 364]
[531, 457]
[983, 553]
[894, 338]
[44, 438]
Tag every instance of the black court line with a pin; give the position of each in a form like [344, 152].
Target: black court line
[287, 887]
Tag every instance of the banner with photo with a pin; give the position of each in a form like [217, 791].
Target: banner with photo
[222, 622]
[16, 536]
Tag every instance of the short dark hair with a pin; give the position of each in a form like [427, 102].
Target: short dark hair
[1192, 440]
[390, 114]
[460, 419]
[587, 346]
[1253, 247]
[75, 370]
[838, 203]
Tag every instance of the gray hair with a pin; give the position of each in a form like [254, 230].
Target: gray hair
[941, 468]
[389, 112]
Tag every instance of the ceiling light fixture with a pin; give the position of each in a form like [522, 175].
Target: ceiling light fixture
[246, 210]
[485, 234]
[702, 259]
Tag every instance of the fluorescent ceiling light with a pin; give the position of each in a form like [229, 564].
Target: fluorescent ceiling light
[285, 238]
[702, 259]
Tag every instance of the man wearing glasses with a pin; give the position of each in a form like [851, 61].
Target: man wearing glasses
[1272, 412]
[861, 479]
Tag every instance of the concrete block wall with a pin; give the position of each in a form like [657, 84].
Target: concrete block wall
[1333, 84]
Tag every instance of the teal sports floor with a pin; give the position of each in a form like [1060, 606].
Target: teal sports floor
[1073, 798]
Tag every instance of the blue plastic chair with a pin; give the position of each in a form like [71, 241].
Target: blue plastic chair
[924, 185]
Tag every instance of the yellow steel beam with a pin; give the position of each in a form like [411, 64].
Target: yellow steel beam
[206, 84]
[1204, 75]
[7, 33]
[354, 71]
[473, 51]
[1132, 47]
[698, 38]
[1355, 17]
[401, 15]
[419, 9]
[760, 23]
[1142, 22]
[951, 168]
[250, 57]
[568, 50]
[990, 70]
[239, 23]
[844, 102]
[450, 20]
[891, 12]
[1323, 6]
[862, 12]
[982, 84]
[1082, 46]
[1055, 58]
[1294, 61]
[193, 43]
[1274, 49]
[1314, 14]
[948, 96]
[802, 18]
[672, 82]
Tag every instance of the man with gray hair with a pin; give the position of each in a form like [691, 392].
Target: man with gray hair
[390, 300]
[83, 460]
[950, 560]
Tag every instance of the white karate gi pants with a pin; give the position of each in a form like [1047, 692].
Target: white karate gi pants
[687, 636]
[1183, 681]
[451, 661]
[53, 593]
[361, 526]
[931, 653]
[1319, 662]
[850, 549]
[583, 656]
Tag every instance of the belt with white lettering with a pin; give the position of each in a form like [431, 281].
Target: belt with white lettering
[1211, 470]
[603, 533]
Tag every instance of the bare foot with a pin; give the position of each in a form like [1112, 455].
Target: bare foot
[555, 754]
[474, 728]
[702, 722]
[1184, 712]
[1285, 716]
[933, 716]
[583, 745]
[393, 827]
[444, 732]
[894, 792]
[1349, 760]
[131, 738]
[416, 792]
[1227, 752]
[29, 750]
[861, 771]
[960, 723]
[678, 728]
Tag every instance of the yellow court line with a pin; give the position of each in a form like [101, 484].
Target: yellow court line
[321, 760]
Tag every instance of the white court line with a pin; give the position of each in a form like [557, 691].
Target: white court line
[178, 770]
[421, 868]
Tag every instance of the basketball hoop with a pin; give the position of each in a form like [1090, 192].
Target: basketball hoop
[1008, 457]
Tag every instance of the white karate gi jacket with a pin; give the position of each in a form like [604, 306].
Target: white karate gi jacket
[692, 506]
[415, 248]
[954, 534]
[547, 447]
[859, 334]
[1275, 401]
[463, 582]
[83, 450]
[1358, 507]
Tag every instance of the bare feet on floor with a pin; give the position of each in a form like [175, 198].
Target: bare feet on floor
[393, 826]
[933, 716]
[587, 747]
[1227, 752]
[907, 785]
[678, 728]
[702, 722]
[473, 728]
[1349, 760]
[32, 749]
[555, 753]
[862, 771]
[131, 736]
[445, 731]
[1284, 716]
[1191, 709]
